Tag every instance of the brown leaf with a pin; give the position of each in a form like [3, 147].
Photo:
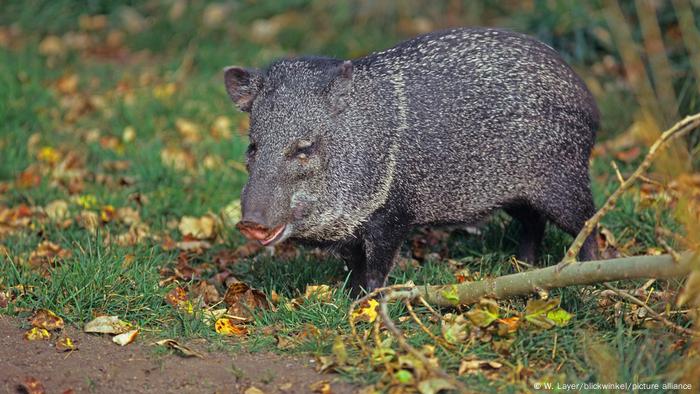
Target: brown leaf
[67, 84]
[176, 296]
[474, 366]
[182, 349]
[322, 387]
[29, 178]
[243, 300]
[207, 292]
[65, 344]
[32, 385]
[47, 254]
[89, 220]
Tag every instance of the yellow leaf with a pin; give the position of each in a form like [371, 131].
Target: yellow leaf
[129, 134]
[87, 201]
[48, 155]
[199, 228]
[339, 351]
[225, 326]
[232, 213]
[367, 313]
[37, 334]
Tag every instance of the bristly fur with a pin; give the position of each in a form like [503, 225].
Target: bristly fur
[441, 129]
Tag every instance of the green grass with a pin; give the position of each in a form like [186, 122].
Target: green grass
[123, 89]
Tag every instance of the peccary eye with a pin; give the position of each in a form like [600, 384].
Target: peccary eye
[304, 149]
[252, 147]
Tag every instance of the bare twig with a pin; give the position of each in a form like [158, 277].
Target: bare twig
[679, 129]
[617, 172]
[634, 300]
[446, 345]
[672, 252]
[401, 339]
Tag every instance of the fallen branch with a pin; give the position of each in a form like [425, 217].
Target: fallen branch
[576, 274]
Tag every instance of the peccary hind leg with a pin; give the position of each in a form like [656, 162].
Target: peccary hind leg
[570, 214]
[531, 233]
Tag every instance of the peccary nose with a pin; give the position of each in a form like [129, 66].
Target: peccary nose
[253, 230]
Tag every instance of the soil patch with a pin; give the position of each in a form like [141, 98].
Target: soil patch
[100, 366]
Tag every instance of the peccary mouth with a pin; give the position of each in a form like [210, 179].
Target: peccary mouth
[264, 235]
[276, 235]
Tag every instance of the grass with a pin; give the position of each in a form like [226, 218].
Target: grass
[170, 71]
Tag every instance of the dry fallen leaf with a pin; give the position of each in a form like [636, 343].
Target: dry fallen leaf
[125, 338]
[89, 220]
[367, 311]
[206, 292]
[182, 350]
[198, 228]
[37, 334]
[434, 386]
[215, 14]
[47, 254]
[227, 327]
[188, 130]
[44, 318]
[52, 46]
[177, 158]
[210, 316]
[32, 385]
[65, 344]
[318, 292]
[107, 325]
[253, 390]
[57, 210]
[474, 366]
[322, 387]
[176, 296]
[242, 300]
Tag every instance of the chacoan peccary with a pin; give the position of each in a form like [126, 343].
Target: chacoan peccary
[442, 129]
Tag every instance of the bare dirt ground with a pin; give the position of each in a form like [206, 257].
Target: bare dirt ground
[100, 366]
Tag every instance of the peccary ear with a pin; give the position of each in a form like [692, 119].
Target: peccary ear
[242, 86]
[340, 86]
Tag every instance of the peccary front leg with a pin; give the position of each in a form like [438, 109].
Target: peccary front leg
[372, 257]
[353, 254]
